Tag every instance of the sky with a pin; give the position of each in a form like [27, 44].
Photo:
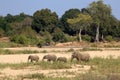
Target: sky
[15, 7]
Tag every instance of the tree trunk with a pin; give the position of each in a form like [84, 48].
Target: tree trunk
[80, 39]
[102, 37]
[97, 33]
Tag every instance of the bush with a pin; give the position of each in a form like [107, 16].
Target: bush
[60, 36]
[24, 40]
[86, 38]
[41, 43]
[21, 39]
[109, 38]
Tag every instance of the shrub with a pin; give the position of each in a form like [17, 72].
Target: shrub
[41, 43]
[86, 38]
[1, 32]
[59, 37]
[109, 38]
[46, 35]
[21, 39]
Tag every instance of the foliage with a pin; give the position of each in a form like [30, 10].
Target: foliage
[109, 38]
[86, 38]
[44, 20]
[47, 36]
[40, 43]
[25, 29]
[21, 39]
[69, 14]
[80, 22]
[59, 36]
[1, 32]
[100, 13]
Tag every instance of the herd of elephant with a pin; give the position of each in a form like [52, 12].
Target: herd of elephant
[75, 55]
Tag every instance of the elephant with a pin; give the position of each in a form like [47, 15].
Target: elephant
[33, 58]
[62, 59]
[80, 56]
[50, 57]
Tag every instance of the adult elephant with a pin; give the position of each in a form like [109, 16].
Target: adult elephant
[80, 56]
[32, 58]
[50, 58]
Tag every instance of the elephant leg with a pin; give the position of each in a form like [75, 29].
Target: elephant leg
[36, 60]
[31, 60]
[48, 60]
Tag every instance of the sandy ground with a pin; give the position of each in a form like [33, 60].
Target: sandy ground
[18, 58]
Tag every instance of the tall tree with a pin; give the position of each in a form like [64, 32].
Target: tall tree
[4, 25]
[44, 20]
[69, 14]
[80, 22]
[100, 13]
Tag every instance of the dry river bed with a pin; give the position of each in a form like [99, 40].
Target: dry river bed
[19, 58]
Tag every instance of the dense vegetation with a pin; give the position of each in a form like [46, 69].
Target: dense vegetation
[94, 23]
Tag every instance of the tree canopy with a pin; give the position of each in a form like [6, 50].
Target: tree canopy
[93, 23]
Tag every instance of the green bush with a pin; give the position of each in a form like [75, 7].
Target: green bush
[21, 39]
[40, 43]
[59, 37]
[24, 40]
[69, 38]
[86, 38]
[109, 38]
[62, 37]
[1, 32]
[46, 36]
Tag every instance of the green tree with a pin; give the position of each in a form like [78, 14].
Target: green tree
[114, 28]
[4, 25]
[80, 23]
[44, 20]
[100, 13]
[69, 14]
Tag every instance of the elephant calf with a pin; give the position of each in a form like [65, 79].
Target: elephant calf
[50, 58]
[33, 58]
[80, 56]
[62, 59]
